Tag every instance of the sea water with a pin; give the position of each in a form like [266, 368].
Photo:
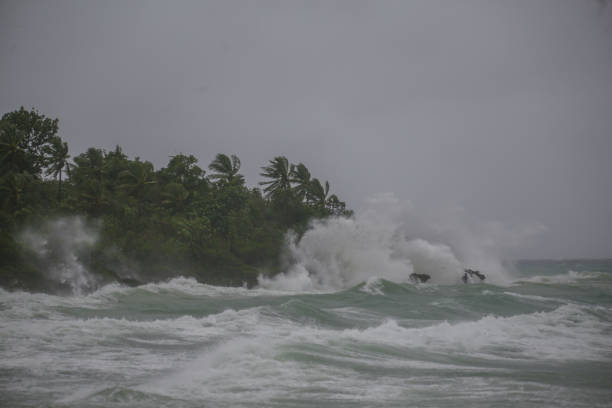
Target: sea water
[543, 339]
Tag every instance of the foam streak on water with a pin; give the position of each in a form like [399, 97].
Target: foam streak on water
[543, 341]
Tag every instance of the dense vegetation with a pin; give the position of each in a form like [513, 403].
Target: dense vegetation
[161, 223]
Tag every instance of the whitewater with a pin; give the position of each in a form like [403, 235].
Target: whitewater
[544, 340]
[343, 325]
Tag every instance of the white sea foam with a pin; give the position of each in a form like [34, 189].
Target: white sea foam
[113, 346]
[386, 240]
[257, 354]
[271, 348]
[567, 333]
[373, 286]
[566, 278]
[59, 246]
[381, 241]
[190, 286]
[538, 298]
[25, 305]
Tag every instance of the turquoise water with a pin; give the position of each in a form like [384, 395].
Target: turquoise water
[543, 340]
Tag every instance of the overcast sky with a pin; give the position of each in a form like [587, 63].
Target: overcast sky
[500, 111]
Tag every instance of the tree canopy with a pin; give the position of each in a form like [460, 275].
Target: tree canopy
[164, 222]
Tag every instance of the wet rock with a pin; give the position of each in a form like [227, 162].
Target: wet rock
[471, 274]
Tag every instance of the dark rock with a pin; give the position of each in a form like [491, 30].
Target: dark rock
[419, 277]
[470, 274]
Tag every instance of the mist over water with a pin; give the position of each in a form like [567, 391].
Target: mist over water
[60, 247]
[387, 240]
[342, 326]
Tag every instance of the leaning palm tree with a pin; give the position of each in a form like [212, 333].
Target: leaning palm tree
[279, 172]
[301, 177]
[318, 194]
[226, 169]
[336, 207]
[58, 161]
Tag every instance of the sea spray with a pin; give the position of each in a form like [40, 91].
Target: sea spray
[60, 247]
[389, 240]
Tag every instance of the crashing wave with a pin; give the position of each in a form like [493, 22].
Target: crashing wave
[339, 253]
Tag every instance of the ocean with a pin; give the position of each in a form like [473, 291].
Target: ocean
[543, 338]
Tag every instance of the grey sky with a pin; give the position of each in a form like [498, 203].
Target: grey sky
[498, 110]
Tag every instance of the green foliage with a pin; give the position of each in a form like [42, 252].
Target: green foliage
[301, 177]
[226, 169]
[57, 161]
[25, 137]
[278, 187]
[13, 156]
[160, 223]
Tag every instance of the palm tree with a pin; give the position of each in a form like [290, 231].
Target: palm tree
[88, 175]
[337, 207]
[279, 172]
[301, 177]
[90, 165]
[318, 194]
[58, 152]
[115, 162]
[136, 180]
[226, 169]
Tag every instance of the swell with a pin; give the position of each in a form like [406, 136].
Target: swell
[182, 343]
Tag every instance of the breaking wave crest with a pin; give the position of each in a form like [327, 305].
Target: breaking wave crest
[565, 278]
[275, 348]
[181, 343]
[383, 242]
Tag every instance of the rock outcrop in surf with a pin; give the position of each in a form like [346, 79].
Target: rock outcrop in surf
[470, 275]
